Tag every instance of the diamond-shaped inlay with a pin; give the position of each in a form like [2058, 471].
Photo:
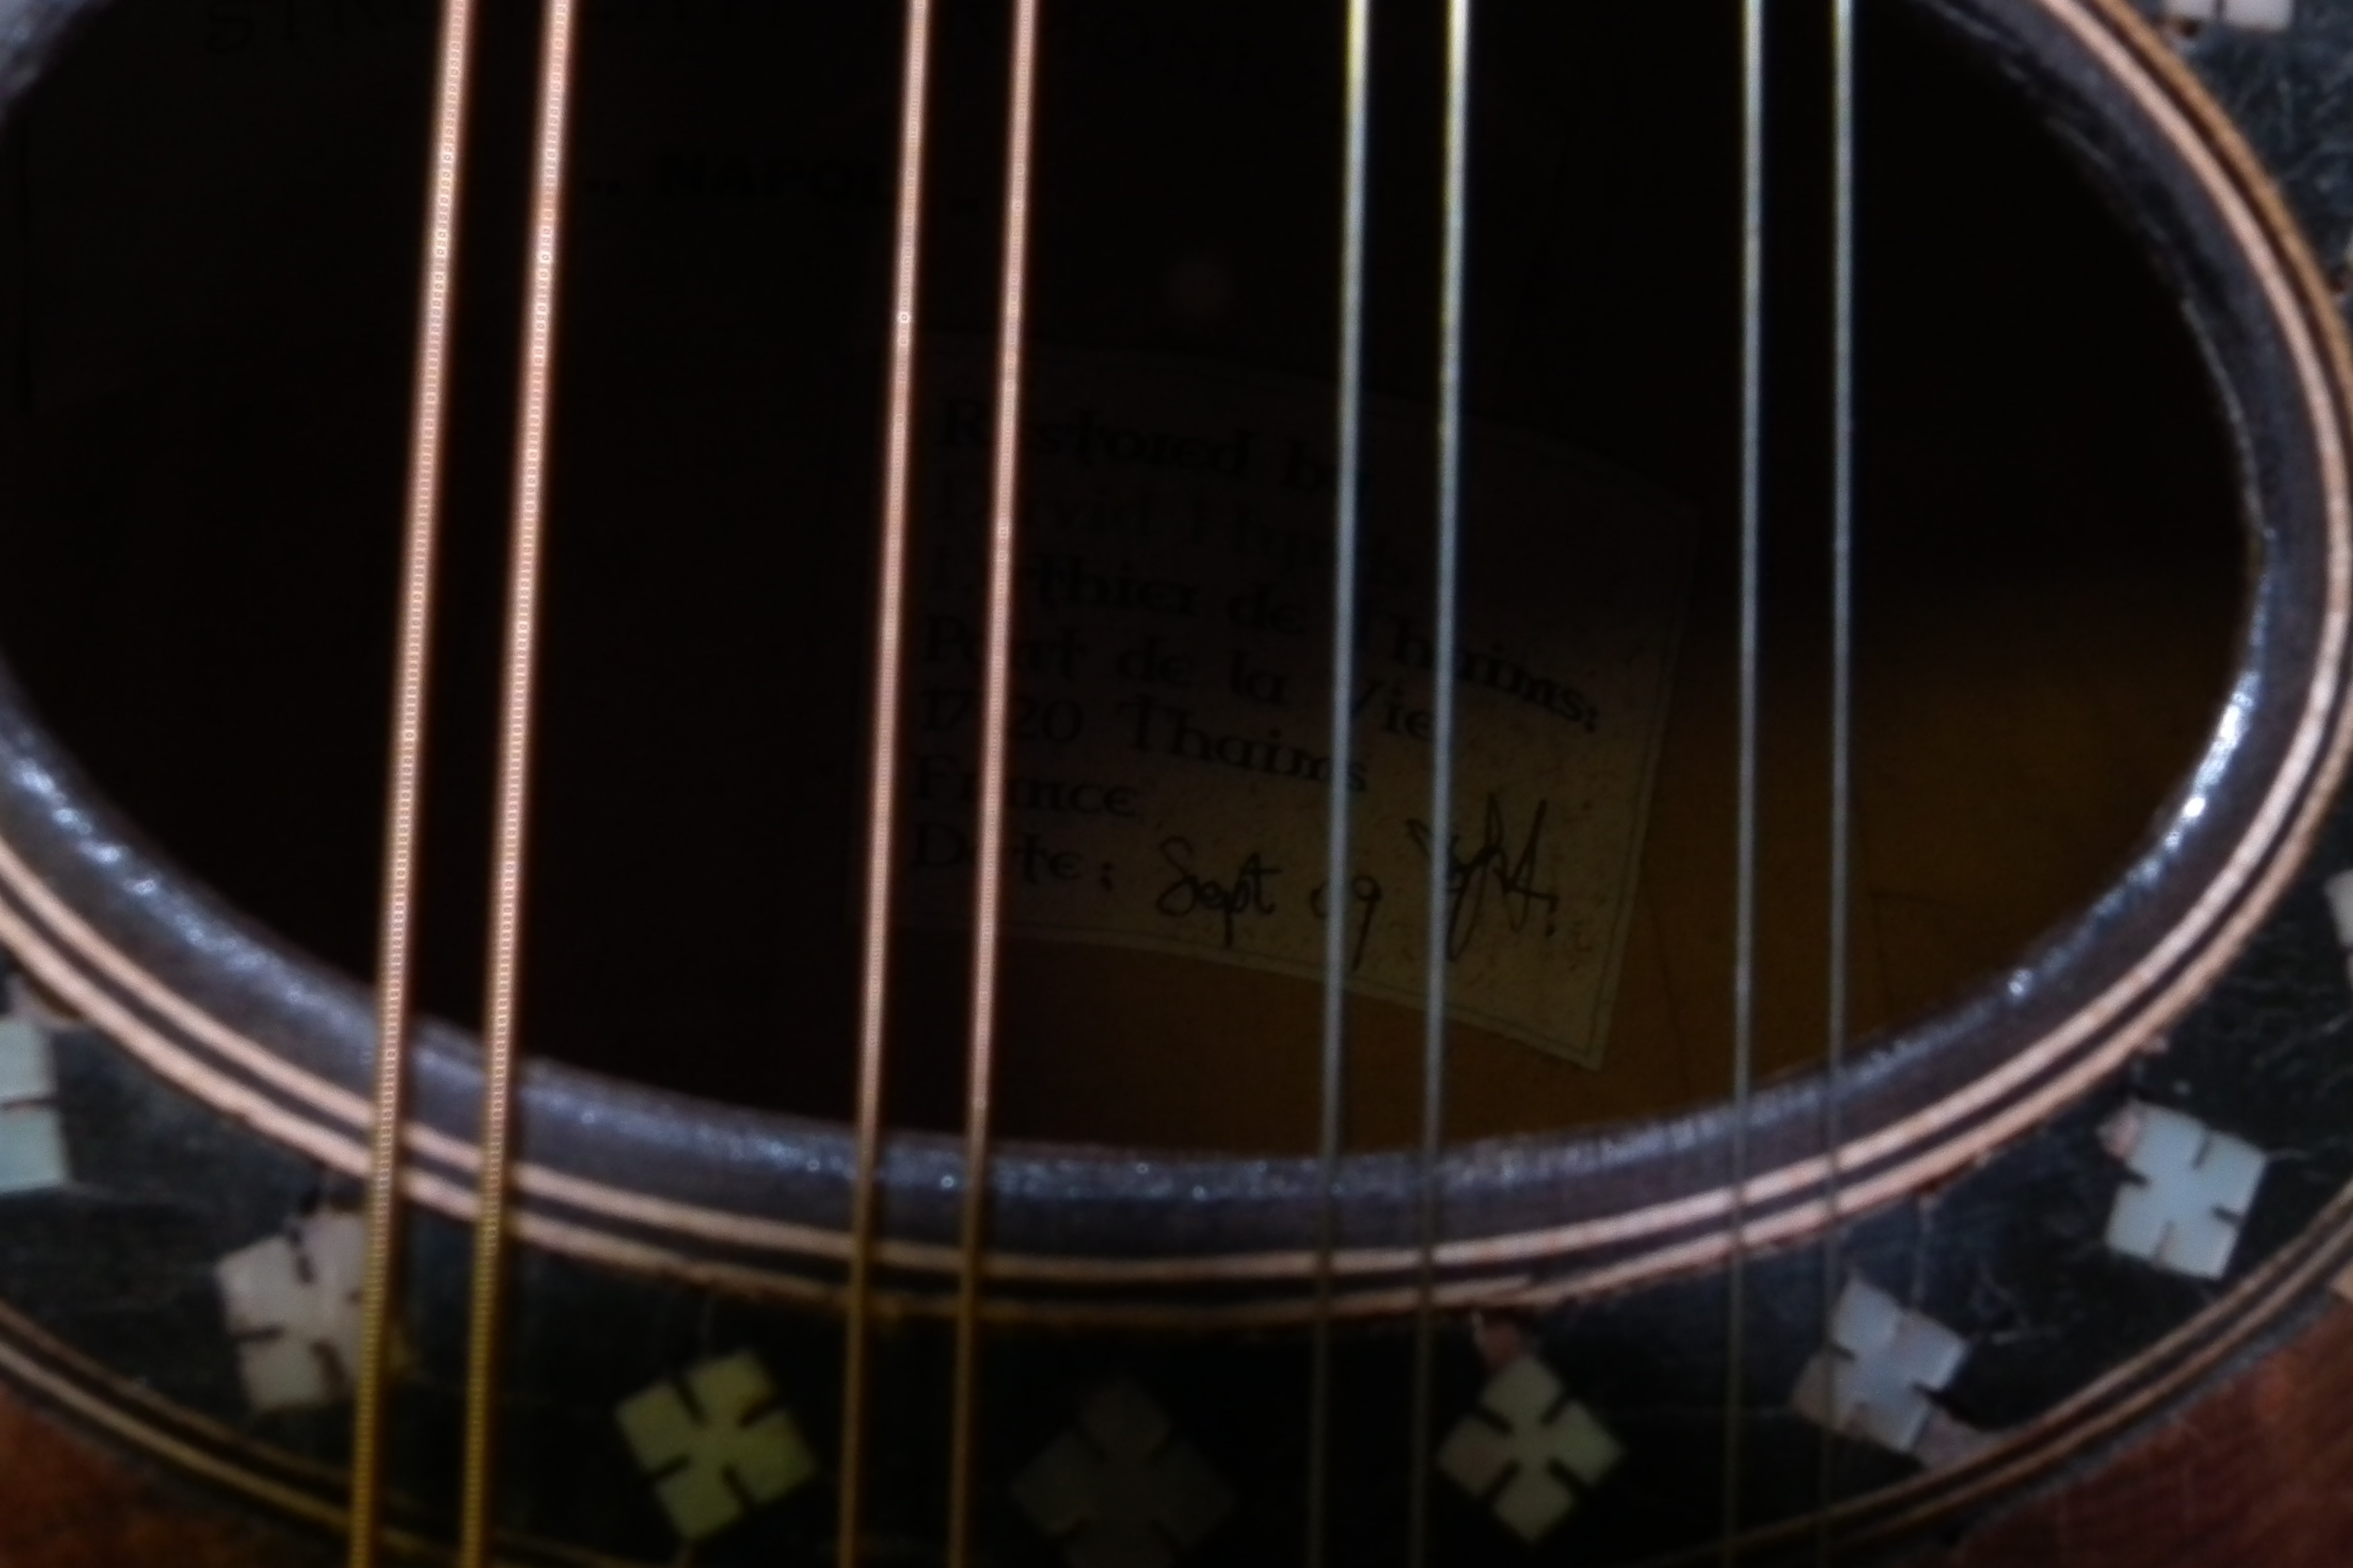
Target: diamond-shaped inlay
[32, 1138]
[1874, 1378]
[2188, 1192]
[2258, 15]
[1122, 1488]
[716, 1443]
[2339, 889]
[1528, 1449]
[293, 1303]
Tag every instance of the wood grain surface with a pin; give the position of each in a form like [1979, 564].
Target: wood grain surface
[68, 1502]
[2258, 1474]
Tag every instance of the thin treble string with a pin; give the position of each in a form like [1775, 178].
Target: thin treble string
[475, 1523]
[1436, 946]
[996, 706]
[429, 419]
[1843, 287]
[1744, 961]
[889, 630]
[1349, 442]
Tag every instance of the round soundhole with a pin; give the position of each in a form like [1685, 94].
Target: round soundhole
[213, 227]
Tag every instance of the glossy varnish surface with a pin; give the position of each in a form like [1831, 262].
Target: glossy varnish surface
[2251, 1477]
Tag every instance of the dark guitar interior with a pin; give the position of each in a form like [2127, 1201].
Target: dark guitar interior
[208, 361]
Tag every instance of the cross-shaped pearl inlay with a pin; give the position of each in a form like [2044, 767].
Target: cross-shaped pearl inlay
[1874, 1378]
[2256, 16]
[1122, 1488]
[2187, 1194]
[716, 1443]
[293, 1303]
[32, 1138]
[1528, 1449]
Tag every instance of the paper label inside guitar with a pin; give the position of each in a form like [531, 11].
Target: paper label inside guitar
[1170, 772]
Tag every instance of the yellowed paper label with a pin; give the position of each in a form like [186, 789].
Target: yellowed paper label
[1172, 733]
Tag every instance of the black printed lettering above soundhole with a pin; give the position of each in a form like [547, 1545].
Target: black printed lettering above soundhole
[1172, 764]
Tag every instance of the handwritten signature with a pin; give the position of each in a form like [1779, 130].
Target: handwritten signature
[1495, 874]
[1245, 894]
[1366, 893]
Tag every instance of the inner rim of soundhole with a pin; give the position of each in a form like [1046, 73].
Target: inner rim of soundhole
[210, 348]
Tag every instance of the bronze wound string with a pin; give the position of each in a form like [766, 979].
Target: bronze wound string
[397, 929]
[1842, 759]
[1743, 961]
[1453, 270]
[475, 1525]
[1349, 444]
[890, 631]
[996, 706]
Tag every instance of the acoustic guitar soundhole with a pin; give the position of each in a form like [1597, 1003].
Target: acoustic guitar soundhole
[1895, 1017]
[211, 225]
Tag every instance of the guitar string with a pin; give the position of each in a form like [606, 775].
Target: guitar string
[1744, 961]
[988, 852]
[396, 931]
[1842, 813]
[1437, 945]
[1337, 882]
[890, 623]
[517, 723]
[475, 1524]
